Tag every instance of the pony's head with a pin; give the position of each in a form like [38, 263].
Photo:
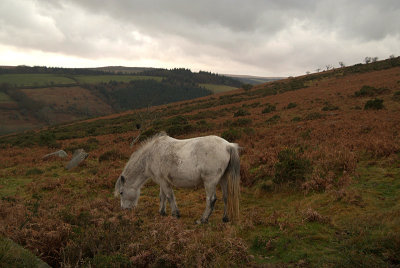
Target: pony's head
[129, 195]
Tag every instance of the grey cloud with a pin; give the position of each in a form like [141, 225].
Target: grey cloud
[273, 36]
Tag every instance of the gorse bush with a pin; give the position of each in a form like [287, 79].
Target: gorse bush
[178, 125]
[203, 125]
[291, 167]
[231, 135]
[396, 96]
[375, 104]
[112, 155]
[241, 122]
[48, 139]
[296, 119]
[176, 130]
[273, 120]
[241, 112]
[34, 171]
[330, 107]
[148, 133]
[247, 86]
[368, 91]
[90, 145]
[291, 105]
[269, 108]
[313, 116]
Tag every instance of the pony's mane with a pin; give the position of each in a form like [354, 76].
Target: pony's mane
[149, 140]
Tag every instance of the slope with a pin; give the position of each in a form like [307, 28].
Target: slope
[320, 174]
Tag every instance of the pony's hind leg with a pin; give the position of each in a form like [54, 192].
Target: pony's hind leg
[163, 199]
[169, 194]
[211, 197]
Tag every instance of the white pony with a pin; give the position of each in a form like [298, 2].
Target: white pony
[187, 163]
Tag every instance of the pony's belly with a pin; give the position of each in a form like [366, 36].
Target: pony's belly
[185, 182]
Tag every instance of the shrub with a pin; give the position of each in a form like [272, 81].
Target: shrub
[117, 260]
[313, 116]
[91, 144]
[231, 135]
[247, 86]
[48, 139]
[252, 105]
[203, 125]
[273, 120]
[365, 91]
[249, 131]
[368, 91]
[148, 133]
[112, 155]
[375, 104]
[176, 130]
[268, 108]
[241, 112]
[14, 255]
[396, 96]
[241, 122]
[330, 107]
[291, 167]
[34, 171]
[291, 105]
[296, 119]
[177, 120]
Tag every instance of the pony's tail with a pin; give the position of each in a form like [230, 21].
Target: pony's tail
[233, 172]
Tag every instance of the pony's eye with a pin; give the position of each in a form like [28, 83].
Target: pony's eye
[120, 193]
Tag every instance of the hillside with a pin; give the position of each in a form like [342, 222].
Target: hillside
[253, 80]
[33, 97]
[320, 176]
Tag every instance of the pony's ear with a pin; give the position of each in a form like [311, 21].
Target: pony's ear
[122, 179]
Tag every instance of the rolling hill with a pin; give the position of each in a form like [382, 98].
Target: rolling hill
[253, 80]
[33, 97]
[320, 176]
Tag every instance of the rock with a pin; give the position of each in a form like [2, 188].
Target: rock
[60, 153]
[78, 157]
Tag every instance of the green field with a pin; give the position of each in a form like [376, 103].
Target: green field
[4, 97]
[43, 80]
[217, 88]
[27, 80]
[94, 79]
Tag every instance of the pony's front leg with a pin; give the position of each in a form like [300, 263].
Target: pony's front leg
[211, 197]
[163, 199]
[169, 193]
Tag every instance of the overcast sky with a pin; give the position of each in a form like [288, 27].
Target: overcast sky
[265, 38]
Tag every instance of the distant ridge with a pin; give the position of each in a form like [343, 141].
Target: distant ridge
[122, 69]
[254, 80]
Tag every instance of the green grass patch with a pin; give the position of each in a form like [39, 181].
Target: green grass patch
[96, 79]
[13, 255]
[10, 186]
[217, 88]
[28, 80]
[4, 98]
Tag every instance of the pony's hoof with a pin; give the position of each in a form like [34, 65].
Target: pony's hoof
[225, 219]
[201, 221]
[176, 214]
[162, 213]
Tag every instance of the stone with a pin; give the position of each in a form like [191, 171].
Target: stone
[60, 154]
[78, 157]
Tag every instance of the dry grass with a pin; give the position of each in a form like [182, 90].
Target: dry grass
[71, 219]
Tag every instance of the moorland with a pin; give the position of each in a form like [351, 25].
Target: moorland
[320, 180]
